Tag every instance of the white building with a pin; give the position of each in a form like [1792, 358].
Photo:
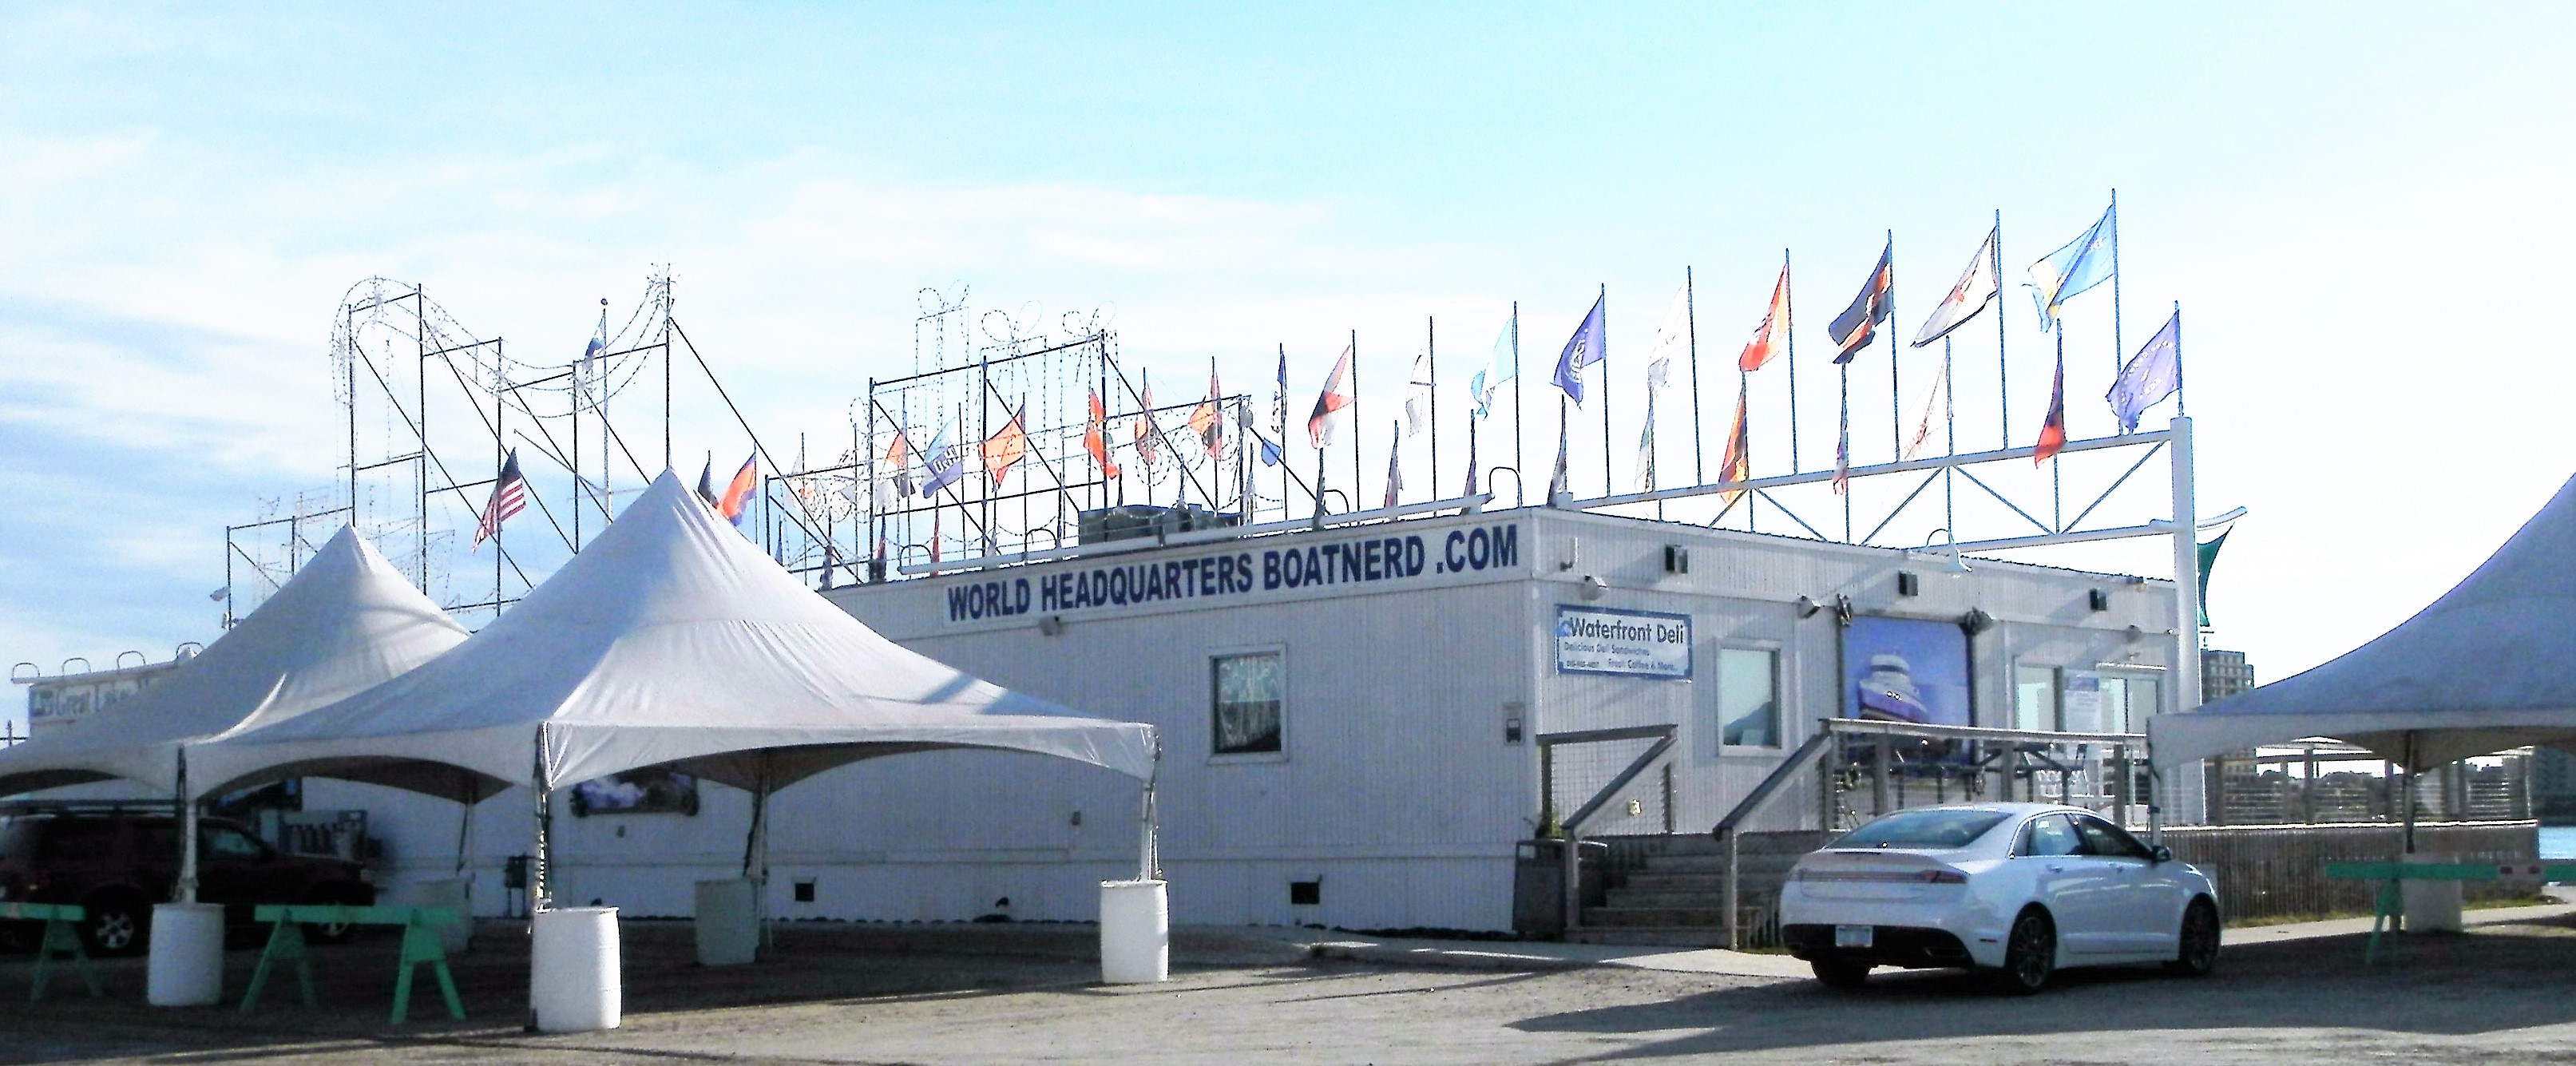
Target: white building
[1349, 716]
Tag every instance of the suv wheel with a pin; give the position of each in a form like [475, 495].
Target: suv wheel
[114, 925]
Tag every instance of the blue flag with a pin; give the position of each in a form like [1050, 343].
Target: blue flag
[1589, 344]
[2153, 374]
[944, 468]
[2084, 262]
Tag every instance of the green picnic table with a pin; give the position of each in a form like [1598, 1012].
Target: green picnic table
[420, 947]
[2390, 901]
[59, 941]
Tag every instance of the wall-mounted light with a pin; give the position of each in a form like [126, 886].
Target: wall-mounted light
[1807, 607]
[1976, 621]
[1512, 721]
[1592, 587]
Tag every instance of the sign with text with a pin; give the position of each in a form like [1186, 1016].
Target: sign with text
[1241, 571]
[1598, 640]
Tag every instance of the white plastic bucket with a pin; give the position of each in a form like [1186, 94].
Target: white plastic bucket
[573, 984]
[1135, 932]
[728, 923]
[2431, 906]
[448, 893]
[186, 967]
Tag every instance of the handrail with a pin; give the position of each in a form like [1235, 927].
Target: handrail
[1789, 767]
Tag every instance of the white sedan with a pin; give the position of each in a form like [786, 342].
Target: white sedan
[2023, 889]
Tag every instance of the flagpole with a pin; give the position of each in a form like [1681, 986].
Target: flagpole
[1355, 420]
[1690, 329]
[1608, 487]
[1790, 328]
[1842, 450]
[2057, 401]
[1950, 431]
[2117, 347]
[2179, 409]
[1431, 354]
[2003, 375]
[1520, 483]
[1280, 410]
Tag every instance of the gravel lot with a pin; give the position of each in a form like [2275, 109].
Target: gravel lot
[843, 994]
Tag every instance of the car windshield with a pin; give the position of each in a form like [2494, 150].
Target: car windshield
[1934, 828]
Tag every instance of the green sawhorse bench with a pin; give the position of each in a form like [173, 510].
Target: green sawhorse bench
[420, 947]
[59, 942]
[2391, 902]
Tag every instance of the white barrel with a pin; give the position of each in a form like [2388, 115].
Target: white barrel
[728, 923]
[1135, 932]
[186, 968]
[448, 894]
[573, 986]
[2431, 906]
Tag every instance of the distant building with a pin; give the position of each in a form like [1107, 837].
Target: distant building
[2223, 674]
[58, 701]
[2553, 785]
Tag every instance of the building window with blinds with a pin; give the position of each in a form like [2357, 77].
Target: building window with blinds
[1748, 698]
[2035, 698]
[1248, 690]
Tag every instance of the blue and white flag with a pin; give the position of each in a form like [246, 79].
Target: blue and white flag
[2153, 374]
[1590, 344]
[2084, 262]
[1502, 366]
[943, 469]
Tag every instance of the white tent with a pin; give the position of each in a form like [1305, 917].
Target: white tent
[2486, 667]
[344, 623]
[669, 641]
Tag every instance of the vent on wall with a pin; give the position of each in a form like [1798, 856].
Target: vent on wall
[1676, 559]
[2100, 600]
[1906, 584]
[1305, 893]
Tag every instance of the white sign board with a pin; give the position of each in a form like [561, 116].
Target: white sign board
[1598, 640]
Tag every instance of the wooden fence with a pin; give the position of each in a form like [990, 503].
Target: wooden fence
[2270, 871]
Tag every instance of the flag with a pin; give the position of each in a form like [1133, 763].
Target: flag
[1279, 398]
[737, 494]
[1590, 344]
[1772, 336]
[1330, 402]
[2153, 374]
[706, 481]
[1657, 374]
[1003, 449]
[1270, 455]
[509, 497]
[1737, 466]
[1858, 324]
[1417, 397]
[1394, 466]
[1975, 290]
[2052, 430]
[1842, 454]
[898, 458]
[2208, 557]
[1673, 337]
[2084, 262]
[943, 467]
[1145, 428]
[1207, 421]
[1502, 366]
[934, 531]
[1936, 402]
[1095, 438]
[1556, 481]
[1471, 460]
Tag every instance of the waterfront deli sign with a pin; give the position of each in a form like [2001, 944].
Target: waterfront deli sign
[1296, 563]
[1596, 640]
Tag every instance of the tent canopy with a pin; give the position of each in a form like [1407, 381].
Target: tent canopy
[343, 624]
[669, 641]
[2486, 667]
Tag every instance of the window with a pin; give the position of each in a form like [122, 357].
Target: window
[1246, 691]
[1748, 697]
[2107, 840]
[2048, 835]
[79, 840]
[2128, 700]
[221, 843]
[1928, 827]
[2035, 697]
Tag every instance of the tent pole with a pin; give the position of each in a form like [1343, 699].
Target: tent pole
[1149, 860]
[464, 817]
[540, 863]
[755, 849]
[2409, 768]
[187, 892]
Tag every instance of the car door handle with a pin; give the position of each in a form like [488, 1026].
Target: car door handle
[2056, 869]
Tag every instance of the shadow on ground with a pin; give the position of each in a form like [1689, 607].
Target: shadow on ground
[2490, 979]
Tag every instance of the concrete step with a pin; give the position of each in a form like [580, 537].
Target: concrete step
[1634, 898]
[1625, 917]
[1774, 865]
[1644, 936]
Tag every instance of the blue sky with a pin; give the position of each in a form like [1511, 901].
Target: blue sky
[2361, 208]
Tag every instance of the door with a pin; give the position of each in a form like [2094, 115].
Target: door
[2142, 899]
[2068, 882]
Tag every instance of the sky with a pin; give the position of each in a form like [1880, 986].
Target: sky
[2360, 210]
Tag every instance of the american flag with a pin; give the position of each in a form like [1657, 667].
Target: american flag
[509, 497]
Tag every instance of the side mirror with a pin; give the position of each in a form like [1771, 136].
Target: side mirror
[2161, 854]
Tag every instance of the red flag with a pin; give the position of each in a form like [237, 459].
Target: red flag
[1003, 449]
[1206, 422]
[1773, 335]
[1738, 464]
[737, 493]
[1330, 402]
[509, 497]
[1095, 438]
[2052, 432]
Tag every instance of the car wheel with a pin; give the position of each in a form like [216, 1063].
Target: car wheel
[330, 932]
[2030, 953]
[113, 925]
[1839, 974]
[2198, 953]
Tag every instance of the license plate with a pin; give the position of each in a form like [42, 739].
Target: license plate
[1854, 936]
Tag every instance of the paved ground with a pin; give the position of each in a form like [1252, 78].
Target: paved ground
[844, 994]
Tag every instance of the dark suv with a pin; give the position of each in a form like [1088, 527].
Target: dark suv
[118, 862]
